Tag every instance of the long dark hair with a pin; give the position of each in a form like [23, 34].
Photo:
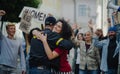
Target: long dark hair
[66, 29]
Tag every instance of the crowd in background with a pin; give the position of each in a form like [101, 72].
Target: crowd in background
[50, 48]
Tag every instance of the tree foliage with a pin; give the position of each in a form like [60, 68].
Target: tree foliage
[14, 7]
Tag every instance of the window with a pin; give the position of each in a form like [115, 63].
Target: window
[82, 10]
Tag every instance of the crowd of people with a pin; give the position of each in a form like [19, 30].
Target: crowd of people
[94, 53]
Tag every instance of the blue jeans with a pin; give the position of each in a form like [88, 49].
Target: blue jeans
[88, 71]
[111, 71]
[7, 70]
[34, 70]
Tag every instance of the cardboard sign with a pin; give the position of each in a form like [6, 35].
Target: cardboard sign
[31, 18]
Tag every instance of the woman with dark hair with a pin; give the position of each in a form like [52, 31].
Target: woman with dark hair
[78, 39]
[64, 29]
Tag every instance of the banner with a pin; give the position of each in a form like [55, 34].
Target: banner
[31, 18]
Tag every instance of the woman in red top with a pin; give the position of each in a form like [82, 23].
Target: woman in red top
[63, 28]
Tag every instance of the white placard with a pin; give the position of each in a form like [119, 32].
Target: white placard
[31, 18]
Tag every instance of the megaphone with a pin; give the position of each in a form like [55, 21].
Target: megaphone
[110, 5]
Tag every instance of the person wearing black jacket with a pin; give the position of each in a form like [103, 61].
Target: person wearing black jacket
[38, 58]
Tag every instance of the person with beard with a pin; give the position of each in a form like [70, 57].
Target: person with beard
[109, 60]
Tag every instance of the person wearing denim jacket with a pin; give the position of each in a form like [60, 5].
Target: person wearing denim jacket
[105, 45]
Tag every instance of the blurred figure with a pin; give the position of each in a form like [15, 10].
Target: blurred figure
[109, 46]
[75, 28]
[99, 33]
[38, 58]
[73, 53]
[37, 54]
[117, 25]
[89, 55]
[79, 38]
[11, 48]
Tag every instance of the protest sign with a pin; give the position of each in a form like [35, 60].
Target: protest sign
[31, 18]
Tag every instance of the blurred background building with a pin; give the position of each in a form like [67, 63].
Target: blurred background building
[80, 11]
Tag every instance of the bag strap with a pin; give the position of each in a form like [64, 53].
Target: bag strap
[34, 37]
[58, 41]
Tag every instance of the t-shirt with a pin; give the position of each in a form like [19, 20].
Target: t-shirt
[112, 61]
[64, 65]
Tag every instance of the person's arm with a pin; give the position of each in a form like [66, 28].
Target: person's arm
[51, 54]
[22, 59]
[58, 41]
[63, 44]
[117, 50]
[98, 43]
[90, 25]
[66, 44]
[2, 12]
[115, 16]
